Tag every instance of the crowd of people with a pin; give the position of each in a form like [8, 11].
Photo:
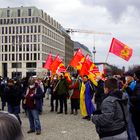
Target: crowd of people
[111, 103]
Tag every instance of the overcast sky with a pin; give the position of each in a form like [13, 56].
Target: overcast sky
[119, 17]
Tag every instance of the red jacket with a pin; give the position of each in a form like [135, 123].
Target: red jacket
[76, 92]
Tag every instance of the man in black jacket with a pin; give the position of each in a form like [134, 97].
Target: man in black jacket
[13, 95]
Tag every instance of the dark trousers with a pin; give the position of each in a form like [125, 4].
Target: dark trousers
[136, 122]
[74, 104]
[54, 99]
[63, 102]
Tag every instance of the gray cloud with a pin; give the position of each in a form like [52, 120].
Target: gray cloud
[116, 8]
[14, 3]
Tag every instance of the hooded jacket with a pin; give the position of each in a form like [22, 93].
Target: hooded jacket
[110, 121]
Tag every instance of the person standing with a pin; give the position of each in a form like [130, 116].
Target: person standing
[86, 95]
[13, 96]
[99, 95]
[133, 89]
[111, 122]
[33, 99]
[62, 92]
[75, 97]
[54, 96]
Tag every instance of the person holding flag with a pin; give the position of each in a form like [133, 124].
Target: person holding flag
[86, 95]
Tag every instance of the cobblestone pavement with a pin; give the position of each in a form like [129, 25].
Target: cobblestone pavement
[60, 126]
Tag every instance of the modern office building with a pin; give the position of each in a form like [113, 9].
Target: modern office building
[27, 36]
[69, 48]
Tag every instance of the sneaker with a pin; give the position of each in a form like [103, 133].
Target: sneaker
[30, 131]
[38, 132]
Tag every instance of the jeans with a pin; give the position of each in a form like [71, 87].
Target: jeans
[15, 110]
[33, 116]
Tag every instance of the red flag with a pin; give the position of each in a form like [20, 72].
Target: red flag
[48, 62]
[86, 66]
[57, 61]
[77, 58]
[120, 49]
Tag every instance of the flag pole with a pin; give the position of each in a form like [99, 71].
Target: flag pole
[107, 57]
[67, 67]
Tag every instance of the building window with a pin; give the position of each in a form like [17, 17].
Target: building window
[6, 48]
[11, 21]
[13, 57]
[20, 56]
[15, 21]
[0, 21]
[9, 49]
[5, 57]
[20, 48]
[5, 39]
[16, 65]
[38, 56]
[18, 12]
[5, 30]
[8, 21]
[24, 29]
[36, 19]
[29, 12]
[35, 29]
[22, 20]
[27, 56]
[13, 30]
[31, 29]
[35, 47]
[31, 65]
[18, 20]
[33, 20]
[2, 30]
[4, 21]
[27, 38]
[27, 29]
[20, 29]
[24, 56]
[9, 30]
[27, 47]
[17, 30]
[29, 20]
[34, 38]
[26, 20]
[2, 39]
[35, 57]
[39, 29]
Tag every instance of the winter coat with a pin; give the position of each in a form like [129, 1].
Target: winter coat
[13, 95]
[110, 121]
[37, 97]
[76, 92]
[62, 87]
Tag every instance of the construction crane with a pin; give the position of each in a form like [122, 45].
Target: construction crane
[69, 30]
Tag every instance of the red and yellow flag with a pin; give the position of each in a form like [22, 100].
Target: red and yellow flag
[61, 68]
[77, 58]
[120, 49]
[86, 66]
[48, 62]
[57, 61]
